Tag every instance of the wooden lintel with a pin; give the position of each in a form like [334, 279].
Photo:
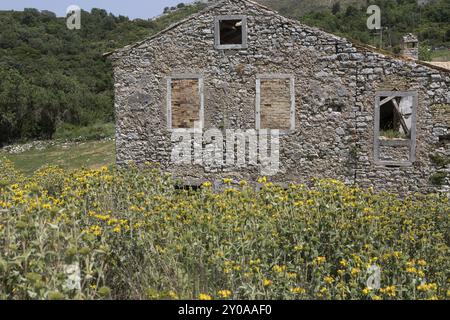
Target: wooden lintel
[387, 100]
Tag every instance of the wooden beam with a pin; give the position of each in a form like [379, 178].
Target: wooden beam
[387, 100]
[402, 120]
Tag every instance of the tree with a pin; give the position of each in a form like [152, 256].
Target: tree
[351, 11]
[336, 8]
[447, 36]
[425, 53]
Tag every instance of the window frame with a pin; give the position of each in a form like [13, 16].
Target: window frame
[218, 45]
[200, 79]
[291, 78]
[410, 142]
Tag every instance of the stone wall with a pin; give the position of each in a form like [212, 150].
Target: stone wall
[335, 87]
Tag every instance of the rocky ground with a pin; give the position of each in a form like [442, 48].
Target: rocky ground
[40, 145]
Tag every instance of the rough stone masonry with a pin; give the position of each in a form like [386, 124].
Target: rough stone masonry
[337, 104]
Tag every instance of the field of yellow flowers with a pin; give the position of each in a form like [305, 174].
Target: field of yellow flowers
[130, 234]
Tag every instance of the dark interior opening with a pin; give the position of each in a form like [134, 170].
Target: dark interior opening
[335, 106]
[444, 138]
[389, 119]
[231, 32]
[185, 187]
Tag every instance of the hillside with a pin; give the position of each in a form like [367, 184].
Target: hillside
[298, 8]
[429, 19]
[53, 78]
[51, 75]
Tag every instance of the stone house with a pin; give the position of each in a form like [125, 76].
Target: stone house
[343, 111]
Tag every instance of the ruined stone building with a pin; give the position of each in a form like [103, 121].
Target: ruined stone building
[343, 111]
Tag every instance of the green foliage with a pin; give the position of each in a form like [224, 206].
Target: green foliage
[51, 75]
[392, 134]
[438, 178]
[425, 53]
[132, 235]
[348, 18]
[440, 160]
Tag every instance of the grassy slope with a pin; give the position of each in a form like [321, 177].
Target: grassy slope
[92, 154]
[441, 55]
[302, 7]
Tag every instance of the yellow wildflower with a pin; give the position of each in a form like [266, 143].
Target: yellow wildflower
[267, 282]
[320, 260]
[262, 180]
[228, 181]
[411, 270]
[328, 280]
[242, 183]
[354, 271]
[298, 290]
[203, 296]
[422, 263]
[279, 269]
[366, 291]
[425, 287]
[224, 293]
[390, 291]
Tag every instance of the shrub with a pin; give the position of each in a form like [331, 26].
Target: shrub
[392, 134]
[438, 178]
[129, 233]
[440, 160]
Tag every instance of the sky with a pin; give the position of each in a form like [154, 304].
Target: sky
[143, 9]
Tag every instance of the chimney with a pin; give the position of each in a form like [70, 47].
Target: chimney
[410, 46]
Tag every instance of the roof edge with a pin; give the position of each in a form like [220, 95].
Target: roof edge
[356, 44]
[170, 27]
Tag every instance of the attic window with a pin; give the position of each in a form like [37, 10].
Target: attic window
[185, 102]
[231, 32]
[395, 128]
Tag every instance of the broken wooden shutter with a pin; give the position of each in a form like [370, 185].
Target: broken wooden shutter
[395, 112]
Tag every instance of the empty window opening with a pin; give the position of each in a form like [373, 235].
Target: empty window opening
[444, 138]
[395, 128]
[395, 117]
[231, 32]
[275, 103]
[185, 103]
